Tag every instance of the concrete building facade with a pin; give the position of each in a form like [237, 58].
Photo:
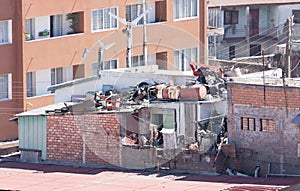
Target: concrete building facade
[250, 27]
[42, 43]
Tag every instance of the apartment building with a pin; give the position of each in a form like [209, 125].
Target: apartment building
[250, 27]
[42, 44]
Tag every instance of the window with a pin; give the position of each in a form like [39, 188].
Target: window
[231, 17]
[185, 9]
[107, 65]
[29, 29]
[31, 84]
[296, 14]
[5, 87]
[5, 32]
[182, 58]
[164, 121]
[163, 118]
[102, 20]
[248, 124]
[214, 17]
[138, 61]
[267, 125]
[56, 76]
[231, 52]
[133, 11]
[157, 12]
[56, 25]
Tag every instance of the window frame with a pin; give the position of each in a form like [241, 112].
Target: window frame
[8, 87]
[296, 14]
[30, 84]
[57, 75]
[267, 124]
[231, 17]
[182, 11]
[95, 25]
[94, 65]
[5, 32]
[248, 123]
[181, 57]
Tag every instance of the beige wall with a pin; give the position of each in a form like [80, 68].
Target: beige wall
[11, 62]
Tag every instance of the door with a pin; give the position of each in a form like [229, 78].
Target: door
[254, 22]
[255, 49]
[231, 52]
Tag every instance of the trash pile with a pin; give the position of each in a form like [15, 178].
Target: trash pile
[207, 85]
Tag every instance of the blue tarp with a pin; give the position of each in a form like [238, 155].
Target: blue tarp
[296, 120]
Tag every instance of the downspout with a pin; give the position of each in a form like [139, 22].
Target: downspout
[279, 175]
[247, 21]
[256, 172]
[83, 141]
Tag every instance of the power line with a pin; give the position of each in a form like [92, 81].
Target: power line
[253, 37]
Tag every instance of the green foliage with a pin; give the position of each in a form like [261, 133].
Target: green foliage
[74, 17]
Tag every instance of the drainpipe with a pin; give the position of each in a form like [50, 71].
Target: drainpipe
[247, 21]
[280, 175]
[256, 172]
[83, 140]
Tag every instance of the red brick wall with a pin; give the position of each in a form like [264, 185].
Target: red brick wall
[277, 146]
[274, 96]
[67, 133]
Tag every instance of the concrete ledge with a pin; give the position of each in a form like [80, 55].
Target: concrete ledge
[9, 147]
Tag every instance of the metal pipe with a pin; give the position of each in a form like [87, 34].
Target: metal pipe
[145, 52]
[285, 175]
[83, 141]
[256, 172]
[280, 175]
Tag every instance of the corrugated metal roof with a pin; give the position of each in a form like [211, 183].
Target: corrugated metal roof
[41, 110]
[217, 3]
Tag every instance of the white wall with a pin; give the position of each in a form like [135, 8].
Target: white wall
[120, 80]
[10, 31]
[263, 18]
[285, 11]
[43, 80]
[41, 24]
[68, 73]
[64, 94]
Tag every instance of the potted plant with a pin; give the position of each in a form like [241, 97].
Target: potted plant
[74, 17]
[45, 32]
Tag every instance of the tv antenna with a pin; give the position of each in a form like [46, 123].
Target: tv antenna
[102, 47]
[129, 26]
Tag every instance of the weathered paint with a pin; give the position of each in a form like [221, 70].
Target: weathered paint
[32, 133]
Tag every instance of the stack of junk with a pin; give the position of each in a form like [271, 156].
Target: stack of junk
[208, 84]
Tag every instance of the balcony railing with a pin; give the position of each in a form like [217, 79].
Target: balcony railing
[265, 33]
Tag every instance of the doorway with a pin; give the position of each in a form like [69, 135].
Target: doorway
[253, 22]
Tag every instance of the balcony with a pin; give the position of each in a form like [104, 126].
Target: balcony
[45, 27]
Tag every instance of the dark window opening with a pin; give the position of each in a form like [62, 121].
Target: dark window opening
[267, 125]
[296, 14]
[248, 124]
[231, 17]
[231, 52]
